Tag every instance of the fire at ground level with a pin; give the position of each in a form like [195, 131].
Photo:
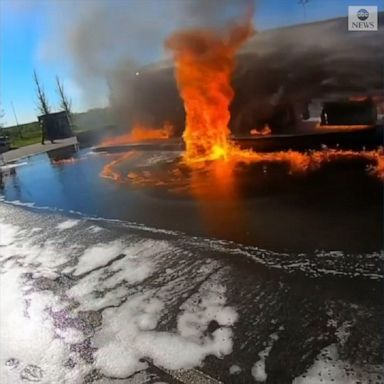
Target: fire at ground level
[272, 205]
[348, 128]
[311, 151]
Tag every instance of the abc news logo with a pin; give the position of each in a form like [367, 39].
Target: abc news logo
[362, 18]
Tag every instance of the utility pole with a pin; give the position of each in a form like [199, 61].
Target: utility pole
[14, 113]
[304, 4]
[17, 122]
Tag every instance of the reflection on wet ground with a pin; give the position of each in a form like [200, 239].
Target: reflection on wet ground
[246, 272]
[337, 207]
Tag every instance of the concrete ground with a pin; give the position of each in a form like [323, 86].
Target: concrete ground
[95, 301]
[33, 149]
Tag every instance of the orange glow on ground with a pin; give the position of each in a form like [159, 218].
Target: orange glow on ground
[110, 170]
[180, 175]
[333, 128]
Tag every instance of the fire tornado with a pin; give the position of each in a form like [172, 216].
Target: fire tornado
[204, 62]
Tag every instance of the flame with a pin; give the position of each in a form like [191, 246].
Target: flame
[204, 61]
[110, 170]
[71, 160]
[218, 223]
[327, 127]
[141, 133]
[299, 162]
[265, 131]
[222, 172]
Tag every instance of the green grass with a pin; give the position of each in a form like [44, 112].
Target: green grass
[22, 135]
[30, 133]
[22, 142]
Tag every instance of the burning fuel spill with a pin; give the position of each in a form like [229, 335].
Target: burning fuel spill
[92, 299]
[141, 133]
[204, 60]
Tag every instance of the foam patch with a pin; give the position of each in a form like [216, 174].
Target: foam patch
[138, 338]
[329, 369]
[67, 224]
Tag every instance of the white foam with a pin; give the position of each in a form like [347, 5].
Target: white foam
[20, 203]
[97, 256]
[30, 349]
[128, 333]
[133, 267]
[8, 234]
[343, 332]
[131, 271]
[258, 369]
[67, 224]
[95, 229]
[307, 263]
[18, 244]
[328, 369]
[70, 335]
[234, 369]
[195, 319]
[125, 270]
[28, 337]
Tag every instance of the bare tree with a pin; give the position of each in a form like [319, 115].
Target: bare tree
[65, 101]
[42, 101]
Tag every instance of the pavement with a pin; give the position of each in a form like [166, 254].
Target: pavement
[278, 283]
[34, 149]
[102, 301]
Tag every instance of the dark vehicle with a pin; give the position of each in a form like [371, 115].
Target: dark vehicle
[4, 144]
[349, 112]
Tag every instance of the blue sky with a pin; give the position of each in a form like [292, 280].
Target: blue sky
[26, 25]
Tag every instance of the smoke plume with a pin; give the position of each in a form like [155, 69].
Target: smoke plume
[109, 42]
[112, 47]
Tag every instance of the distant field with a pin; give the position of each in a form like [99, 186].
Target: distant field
[30, 133]
[24, 134]
[22, 142]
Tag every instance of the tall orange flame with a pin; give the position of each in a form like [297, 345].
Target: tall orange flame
[204, 61]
